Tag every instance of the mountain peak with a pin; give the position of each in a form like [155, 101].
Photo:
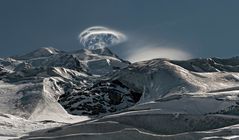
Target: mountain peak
[50, 50]
[41, 52]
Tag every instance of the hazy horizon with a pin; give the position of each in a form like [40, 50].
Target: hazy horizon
[171, 29]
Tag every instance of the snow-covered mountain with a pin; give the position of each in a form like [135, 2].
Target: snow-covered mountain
[111, 98]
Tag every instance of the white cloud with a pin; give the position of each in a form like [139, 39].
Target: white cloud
[147, 53]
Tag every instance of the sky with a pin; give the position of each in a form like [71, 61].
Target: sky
[176, 29]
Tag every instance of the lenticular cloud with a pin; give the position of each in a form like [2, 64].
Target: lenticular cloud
[100, 37]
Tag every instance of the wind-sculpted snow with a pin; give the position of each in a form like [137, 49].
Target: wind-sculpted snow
[143, 127]
[100, 37]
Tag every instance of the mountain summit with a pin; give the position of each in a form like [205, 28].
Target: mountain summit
[42, 52]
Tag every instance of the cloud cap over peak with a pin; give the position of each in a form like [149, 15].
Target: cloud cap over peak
[99, 37]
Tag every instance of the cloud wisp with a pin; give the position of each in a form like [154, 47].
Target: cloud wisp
[147, 53]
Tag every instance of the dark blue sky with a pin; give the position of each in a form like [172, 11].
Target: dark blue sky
[204, 28]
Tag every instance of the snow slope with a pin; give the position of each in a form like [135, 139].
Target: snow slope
[176, 103]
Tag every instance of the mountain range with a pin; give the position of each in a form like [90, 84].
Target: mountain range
[94, 94]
